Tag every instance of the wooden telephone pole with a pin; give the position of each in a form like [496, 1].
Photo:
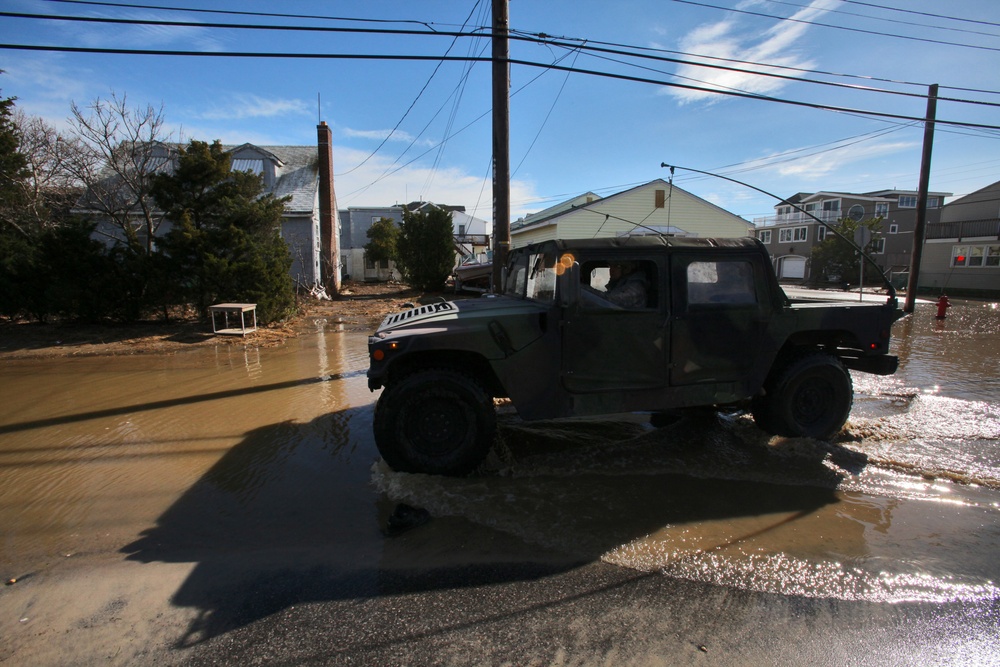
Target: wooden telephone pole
[501, 140]
[921, 224]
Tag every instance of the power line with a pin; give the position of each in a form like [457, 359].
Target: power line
[413, 103]
[526, 63]
[477, 32]
[243, 13]
[911, 11]
[887, 20]
[241, 26]
[837, 27]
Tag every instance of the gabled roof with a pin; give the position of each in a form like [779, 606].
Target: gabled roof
[297, 176]
[562, 210]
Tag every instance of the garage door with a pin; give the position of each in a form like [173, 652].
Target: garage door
[793, 267]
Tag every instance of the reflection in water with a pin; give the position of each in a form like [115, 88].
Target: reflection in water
[92, 450]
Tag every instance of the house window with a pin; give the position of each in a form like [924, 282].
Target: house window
[461, 230]
[371, 266]
[893, 229]
[881, 209]
[790, 234]
[959, 255]
[661, 198]
[907, 201]
[821, 233]
[831, 205]
[975, 255]
[993, 255]
[932, 202]
[764, 236]
[878, 246]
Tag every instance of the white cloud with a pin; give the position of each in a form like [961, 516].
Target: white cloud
[724, 39]
[824, 164]
[379, 135]
[243, 106]
[370, 185]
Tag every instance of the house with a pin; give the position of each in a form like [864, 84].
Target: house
[657, 207]
[962, 251]
[304, 174]
[790, 234]
[471, 237]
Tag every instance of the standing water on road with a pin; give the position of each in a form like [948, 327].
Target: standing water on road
[177, 457]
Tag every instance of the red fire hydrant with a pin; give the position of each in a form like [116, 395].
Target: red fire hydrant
[943, 306]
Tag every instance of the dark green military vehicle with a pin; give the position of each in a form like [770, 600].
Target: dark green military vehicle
[603, 326]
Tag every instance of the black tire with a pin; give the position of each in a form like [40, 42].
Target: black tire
[811, 397]
[435, 421]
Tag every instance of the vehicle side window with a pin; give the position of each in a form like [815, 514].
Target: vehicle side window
[541, 277]
[726, 282]
[619, 284]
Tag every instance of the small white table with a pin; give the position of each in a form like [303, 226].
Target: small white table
[233, 308]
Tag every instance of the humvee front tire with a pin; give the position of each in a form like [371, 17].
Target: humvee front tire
[436, 421]
[811, 396]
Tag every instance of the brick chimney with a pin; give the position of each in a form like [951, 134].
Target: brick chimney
[328, 220]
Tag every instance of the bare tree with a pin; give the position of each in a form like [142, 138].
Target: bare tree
[50, 188]
[123, 148]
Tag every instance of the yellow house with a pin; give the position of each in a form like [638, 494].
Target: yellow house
[656, 207]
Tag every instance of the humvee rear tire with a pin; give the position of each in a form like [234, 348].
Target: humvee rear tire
[811, 396]
[435, 421]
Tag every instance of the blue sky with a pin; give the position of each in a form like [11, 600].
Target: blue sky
[570, 132]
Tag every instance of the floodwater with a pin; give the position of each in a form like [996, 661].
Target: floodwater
[172, 458]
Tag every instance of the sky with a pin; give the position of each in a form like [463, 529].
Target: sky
[843, 111]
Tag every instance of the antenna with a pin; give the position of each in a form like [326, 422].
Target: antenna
[888, 284]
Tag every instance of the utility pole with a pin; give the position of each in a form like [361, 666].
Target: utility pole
[921, 223]
[501, 140]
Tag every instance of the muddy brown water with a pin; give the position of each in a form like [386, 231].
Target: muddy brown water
[174, 457]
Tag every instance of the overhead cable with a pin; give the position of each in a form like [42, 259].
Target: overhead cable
[836, 27]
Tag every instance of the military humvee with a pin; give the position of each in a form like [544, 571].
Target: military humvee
[705, 323]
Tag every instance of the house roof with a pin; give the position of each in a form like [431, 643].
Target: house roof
[297, 176]
[296, 171]
[560, 209]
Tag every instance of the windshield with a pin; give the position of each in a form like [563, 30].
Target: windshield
[532, 275]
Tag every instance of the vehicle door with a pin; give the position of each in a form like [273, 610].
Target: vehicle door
[612, 339]
[720, 315]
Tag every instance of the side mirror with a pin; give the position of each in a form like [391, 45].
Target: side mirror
[569, 286]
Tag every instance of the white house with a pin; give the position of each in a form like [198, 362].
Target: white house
[657, 207]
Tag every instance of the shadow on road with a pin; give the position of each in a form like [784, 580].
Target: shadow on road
[291, 516]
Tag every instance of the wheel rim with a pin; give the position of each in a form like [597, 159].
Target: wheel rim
[813, 402]
[438, 426]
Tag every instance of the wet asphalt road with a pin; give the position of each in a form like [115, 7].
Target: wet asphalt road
[224, 509]
[561, 614]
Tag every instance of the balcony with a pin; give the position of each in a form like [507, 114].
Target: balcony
[969, 229]
[797, 218]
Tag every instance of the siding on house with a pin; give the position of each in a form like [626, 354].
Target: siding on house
[287, 171]
[962, 252]
[471, 237]
[652, 208]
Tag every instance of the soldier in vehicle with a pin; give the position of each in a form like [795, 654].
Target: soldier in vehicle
[626, 287]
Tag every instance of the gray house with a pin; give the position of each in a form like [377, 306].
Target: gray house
[962, 251]
[472, 237]
[304, 174]
[790, 234]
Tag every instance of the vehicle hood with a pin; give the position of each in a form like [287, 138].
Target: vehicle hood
[439, 314]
